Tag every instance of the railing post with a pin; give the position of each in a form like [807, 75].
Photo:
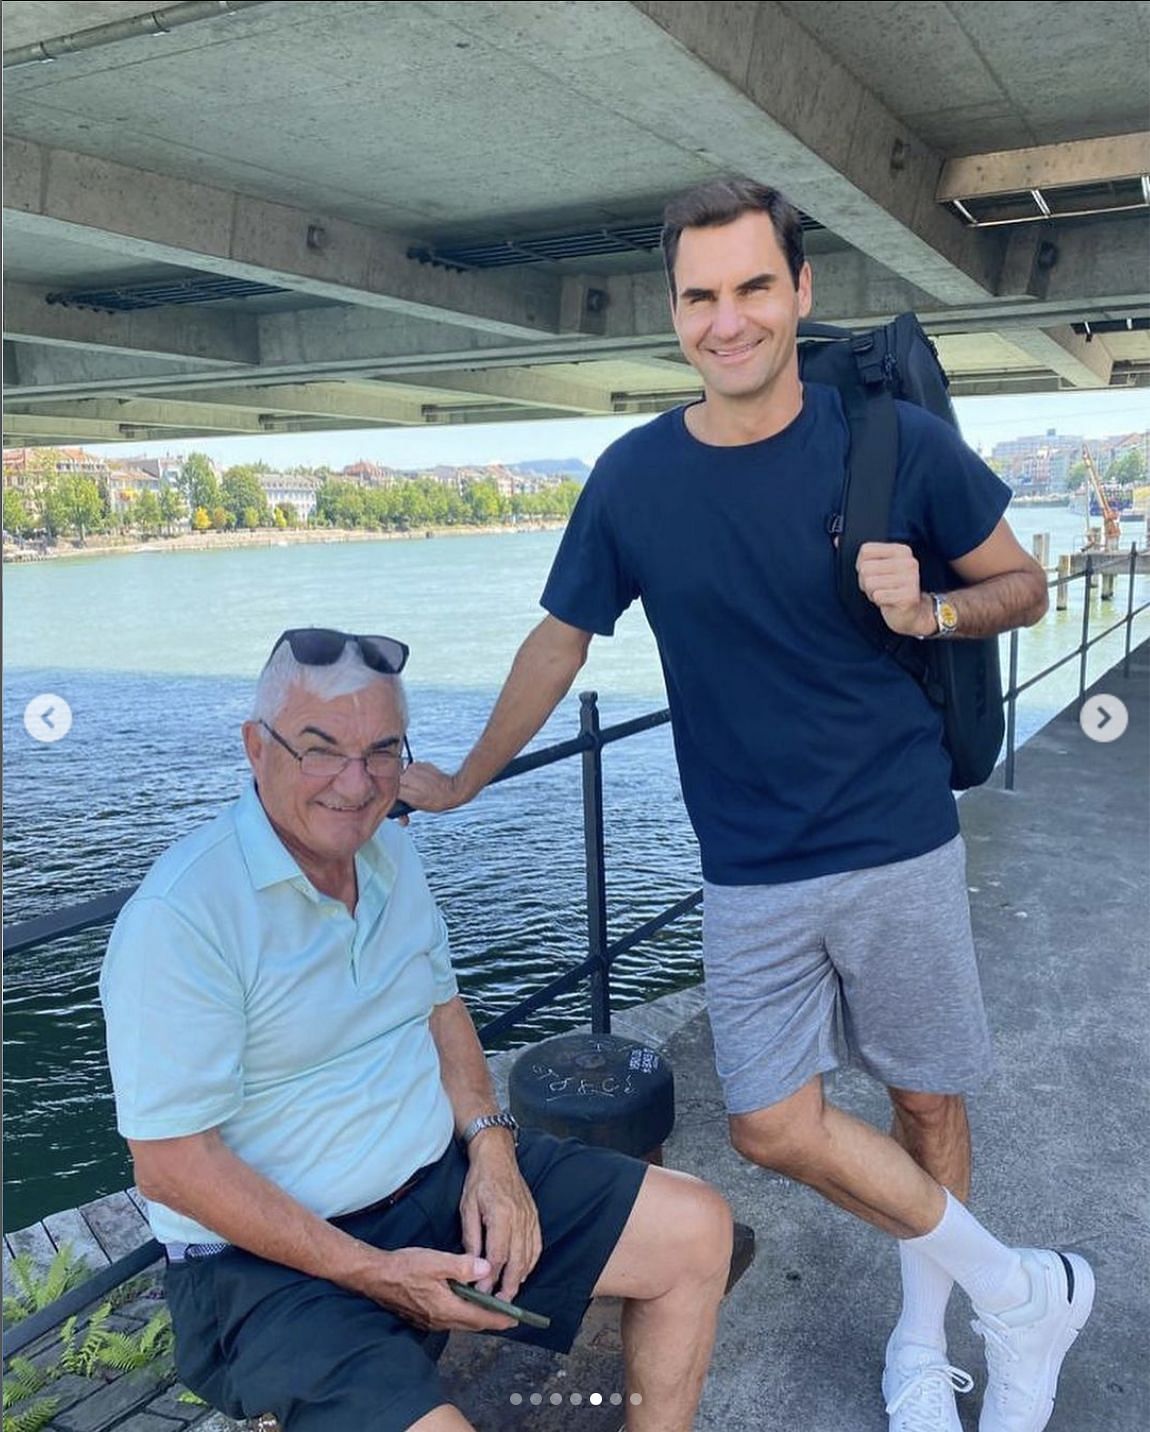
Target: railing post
[596, 864]
[1011, 704]
[1130, 608]
[1087, 580]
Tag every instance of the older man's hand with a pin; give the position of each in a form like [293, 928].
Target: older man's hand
[413, 1283]
[425, 787]
[888, 574]
[500, 1221]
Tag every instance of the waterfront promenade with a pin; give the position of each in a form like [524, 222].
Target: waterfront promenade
[1059, 891]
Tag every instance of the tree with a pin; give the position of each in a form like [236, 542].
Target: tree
[242, 493]
[201, 519]
[199, 483]
[1129, 470]
[1078, 476]
[147, 512]
[77, 505]
[18, 519]
[222, 519]
[172, 509]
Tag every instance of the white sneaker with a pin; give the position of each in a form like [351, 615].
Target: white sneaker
[919, 1386]
[1025, 1345]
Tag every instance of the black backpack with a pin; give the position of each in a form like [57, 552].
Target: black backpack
[870, 370]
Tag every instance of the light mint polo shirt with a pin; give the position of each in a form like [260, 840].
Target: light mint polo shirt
[238, 997]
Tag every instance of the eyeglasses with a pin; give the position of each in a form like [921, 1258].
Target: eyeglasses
[326, 765]
[323, 646]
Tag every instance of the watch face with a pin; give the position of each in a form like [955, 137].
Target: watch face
[947, 616]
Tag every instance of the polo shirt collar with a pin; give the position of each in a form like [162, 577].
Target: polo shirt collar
[267, 858]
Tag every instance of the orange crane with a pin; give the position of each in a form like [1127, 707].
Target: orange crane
[1111, 525]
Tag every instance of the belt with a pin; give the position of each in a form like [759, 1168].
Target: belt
[191, 1252]
[381, 1205]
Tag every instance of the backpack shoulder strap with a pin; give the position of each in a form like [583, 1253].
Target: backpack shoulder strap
[872, 466]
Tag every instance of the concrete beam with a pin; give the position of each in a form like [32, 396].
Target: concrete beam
[51, 368]
[1082, 362]
[359, 402]
[153, 217]
[226, 339]
[150, 413]
[523, 387]
[777, 107]
[1046, 166]
[21, 426]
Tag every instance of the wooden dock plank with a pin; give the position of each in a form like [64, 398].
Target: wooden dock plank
[35, 1242]
[117, 1224]
[68, 1228]
[139, 1200]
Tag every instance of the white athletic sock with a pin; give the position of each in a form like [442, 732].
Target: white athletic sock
[925, 1293]
[991, 1273]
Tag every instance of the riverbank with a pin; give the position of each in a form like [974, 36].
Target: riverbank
[105, 546]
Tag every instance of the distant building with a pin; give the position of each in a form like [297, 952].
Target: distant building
[369, 474]
[167, 469]
[283, 487]
[127, 482]
[22, 465]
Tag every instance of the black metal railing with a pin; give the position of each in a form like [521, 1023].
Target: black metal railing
[1095, 566]
[601, 953]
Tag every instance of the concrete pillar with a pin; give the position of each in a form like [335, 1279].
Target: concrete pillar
[1107, 588]
[1040, 545]
[1062, 600]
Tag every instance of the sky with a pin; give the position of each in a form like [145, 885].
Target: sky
[985, 421]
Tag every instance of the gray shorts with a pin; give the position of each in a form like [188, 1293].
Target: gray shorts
[871, 967]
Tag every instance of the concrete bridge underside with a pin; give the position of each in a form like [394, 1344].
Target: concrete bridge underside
[447, 209]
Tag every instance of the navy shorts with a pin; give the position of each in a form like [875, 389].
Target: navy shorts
[254, 1336]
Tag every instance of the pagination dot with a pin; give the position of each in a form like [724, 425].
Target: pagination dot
[515, 1399]
[576, 1399]
[555, 1399]
[595, 1399]
[635, 1399]
[536, 1399]
[616, 1399]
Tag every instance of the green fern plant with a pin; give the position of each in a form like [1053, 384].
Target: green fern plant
[31, 1418]
[22, 1381]
[101, 1350]
[36, 1288]
[127, 1352]
[83, 1357]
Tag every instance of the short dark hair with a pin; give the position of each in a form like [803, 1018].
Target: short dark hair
[722, 201]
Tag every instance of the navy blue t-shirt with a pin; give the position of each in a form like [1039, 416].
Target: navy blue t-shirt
[802, 749]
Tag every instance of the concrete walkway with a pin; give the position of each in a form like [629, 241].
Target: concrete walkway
[1059, 881]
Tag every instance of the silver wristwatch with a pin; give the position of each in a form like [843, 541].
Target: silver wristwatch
[490, 1121]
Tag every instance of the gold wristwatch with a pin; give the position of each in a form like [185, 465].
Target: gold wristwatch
[945, 614]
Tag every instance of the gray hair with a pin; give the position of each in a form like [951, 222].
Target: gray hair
[344, 677]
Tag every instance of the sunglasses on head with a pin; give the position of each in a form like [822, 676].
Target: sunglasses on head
[323, 646]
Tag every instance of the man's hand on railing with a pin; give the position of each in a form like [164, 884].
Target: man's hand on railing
[425, 787]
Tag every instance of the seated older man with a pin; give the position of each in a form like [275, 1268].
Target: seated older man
[311, 1118]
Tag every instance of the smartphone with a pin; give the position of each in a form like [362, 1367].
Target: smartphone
[497, 1305]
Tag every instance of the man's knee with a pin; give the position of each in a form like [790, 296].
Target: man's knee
[783, 1136]
[679, 1234]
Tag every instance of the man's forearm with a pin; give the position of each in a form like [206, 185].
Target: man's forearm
[541, 675]
[462, 1063]
[1000, 603]
[201, 1178]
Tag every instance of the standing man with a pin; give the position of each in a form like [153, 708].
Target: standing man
[836, 924]
[312, 1121]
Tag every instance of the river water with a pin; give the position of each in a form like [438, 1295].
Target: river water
[155, 653]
